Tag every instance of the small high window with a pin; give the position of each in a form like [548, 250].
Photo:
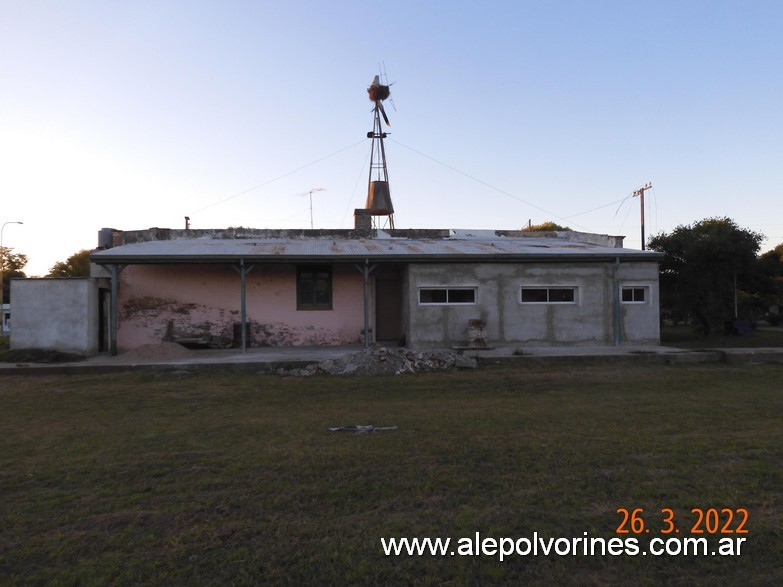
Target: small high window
[548, 295]
[314, 287]
[447, 295]
[634, 295]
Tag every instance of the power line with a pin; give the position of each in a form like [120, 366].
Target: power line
[279, 177]
[484, 183]
[655, 202]
[505, 193]
[599, 207]
[356, 185]
[627, 212]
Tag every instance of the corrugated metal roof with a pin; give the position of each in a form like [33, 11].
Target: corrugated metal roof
[460, 247]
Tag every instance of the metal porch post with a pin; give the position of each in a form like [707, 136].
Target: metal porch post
[616, 301]
[243, 305]
[113, 311]
[365, 270]
[243, 271]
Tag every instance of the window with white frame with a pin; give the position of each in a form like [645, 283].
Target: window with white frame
[548, 295]
[633, 294]
[437, 296]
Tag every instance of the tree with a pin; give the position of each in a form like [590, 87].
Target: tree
[12, 265]
[77, 265]
[706, 263]
[544, 226]
[769, 289]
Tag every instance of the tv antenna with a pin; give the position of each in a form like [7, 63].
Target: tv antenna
[310, 193]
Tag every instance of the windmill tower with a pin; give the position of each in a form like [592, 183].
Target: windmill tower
[378, 195]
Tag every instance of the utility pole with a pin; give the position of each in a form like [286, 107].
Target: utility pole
[640, 193]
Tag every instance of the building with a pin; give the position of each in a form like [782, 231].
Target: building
[421, 288]
[5, 318]
[246, 288]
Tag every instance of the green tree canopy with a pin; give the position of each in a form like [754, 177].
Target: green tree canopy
[12, 265]
[548, 225]
[770, 278]
[12, 262]
[705, 263]
[77, 265]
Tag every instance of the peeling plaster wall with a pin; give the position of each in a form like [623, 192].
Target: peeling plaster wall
[205, 300]
[498, 302]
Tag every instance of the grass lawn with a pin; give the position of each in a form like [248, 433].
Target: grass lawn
[236, 479]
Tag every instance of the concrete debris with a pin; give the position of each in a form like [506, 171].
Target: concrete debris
[160, 352]
[385, 361]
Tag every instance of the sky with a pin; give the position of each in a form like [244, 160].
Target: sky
[130, 115]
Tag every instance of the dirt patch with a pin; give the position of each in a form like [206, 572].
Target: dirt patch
[384, 361]
[157, 352]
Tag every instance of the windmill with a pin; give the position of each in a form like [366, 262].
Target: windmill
[378, 195]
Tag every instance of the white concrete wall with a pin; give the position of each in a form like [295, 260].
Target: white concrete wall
[640, 322]
[588, 321]
[57, 314]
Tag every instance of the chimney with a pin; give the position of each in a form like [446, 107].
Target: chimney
[110, 237]
[362, 219]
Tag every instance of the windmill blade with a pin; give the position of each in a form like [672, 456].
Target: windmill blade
[383, 113]
[385, 79]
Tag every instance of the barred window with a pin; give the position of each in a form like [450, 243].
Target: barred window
[314, 287]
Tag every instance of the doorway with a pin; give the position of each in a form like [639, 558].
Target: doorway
[388, 306]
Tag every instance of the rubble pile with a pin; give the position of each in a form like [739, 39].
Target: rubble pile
[385, 361]
[157, 352]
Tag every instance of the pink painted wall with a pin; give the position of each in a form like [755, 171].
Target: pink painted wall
[201, 299]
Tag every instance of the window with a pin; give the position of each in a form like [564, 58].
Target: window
[634, 295]
[314, 287]
[447, 295]
[548, 295]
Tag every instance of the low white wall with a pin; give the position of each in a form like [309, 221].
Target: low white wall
[55, 314]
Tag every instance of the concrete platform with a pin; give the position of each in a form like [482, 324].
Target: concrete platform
[269, 359]
[266, 359]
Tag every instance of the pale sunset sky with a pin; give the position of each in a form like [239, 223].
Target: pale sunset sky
[135, 114]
